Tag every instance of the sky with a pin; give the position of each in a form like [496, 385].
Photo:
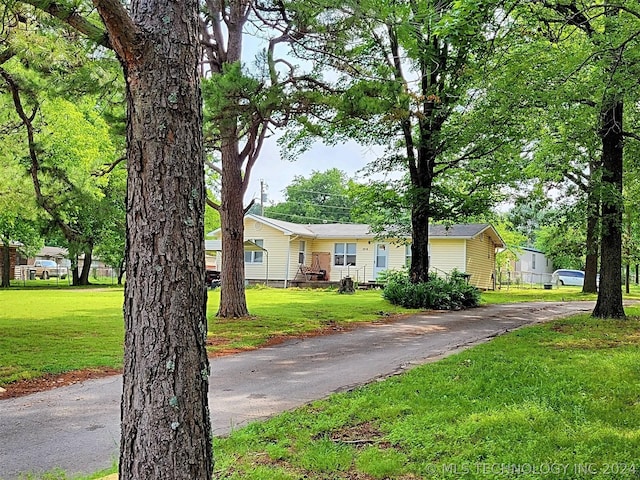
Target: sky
[278, 173]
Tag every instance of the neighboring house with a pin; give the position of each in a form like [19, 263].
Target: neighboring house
[290, 249]
[13, 253]
[59, 255]
[531, 266]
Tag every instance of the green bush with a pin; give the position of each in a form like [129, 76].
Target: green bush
[452, 293]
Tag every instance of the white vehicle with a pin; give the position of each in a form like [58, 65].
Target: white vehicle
[568, 277]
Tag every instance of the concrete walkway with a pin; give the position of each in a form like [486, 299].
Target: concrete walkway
[76, 428]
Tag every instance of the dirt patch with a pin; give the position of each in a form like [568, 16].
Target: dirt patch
[50, 381]
[361, 435]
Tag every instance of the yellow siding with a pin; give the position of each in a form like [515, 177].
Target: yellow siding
[277, 245]
[363, 262]
[397, 258]
[475, 257]
[446, 255]
[481, 260]
[363, 271]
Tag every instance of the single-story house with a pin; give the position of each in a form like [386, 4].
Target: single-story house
[57, 254]
[60, 256]
[531, 266]
[342, 250]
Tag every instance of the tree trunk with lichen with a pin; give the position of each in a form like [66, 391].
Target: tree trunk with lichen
[166, 430]
[233, 302]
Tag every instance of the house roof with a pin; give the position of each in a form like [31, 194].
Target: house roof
[52, 252]
[341, 230]
[324, 230]
[464, 231]
[531, 249]
[288, 228]
[216, 246]
[359, 230]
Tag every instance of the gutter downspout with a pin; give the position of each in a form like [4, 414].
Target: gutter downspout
[464, 256]
[288, 263]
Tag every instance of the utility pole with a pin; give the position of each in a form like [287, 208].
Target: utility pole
[263, 197]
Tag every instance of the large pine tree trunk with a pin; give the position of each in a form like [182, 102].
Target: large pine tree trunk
[166, 431]
[233, 303]
[232, 296]
[609, 304]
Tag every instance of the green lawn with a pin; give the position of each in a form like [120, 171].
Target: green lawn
[54, 330]
[57, 330]
[555, 401]
[557, 294]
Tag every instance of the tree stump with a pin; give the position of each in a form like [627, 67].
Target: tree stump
[346, 285]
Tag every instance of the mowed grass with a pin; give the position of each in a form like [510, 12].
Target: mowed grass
[556, 294]
[57, 330]
[279, 313]
[555, 401]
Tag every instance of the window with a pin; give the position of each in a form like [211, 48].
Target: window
[344, 254]
[533, 261]
[254, 257]
[408, 255]
[301, 251]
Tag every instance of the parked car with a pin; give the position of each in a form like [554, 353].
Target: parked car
[48, 268]
[568, 277]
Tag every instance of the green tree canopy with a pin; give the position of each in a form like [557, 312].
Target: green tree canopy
[320, 197]
[59, 93]
[413, 79]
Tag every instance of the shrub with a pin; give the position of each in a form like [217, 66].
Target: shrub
[452, 293]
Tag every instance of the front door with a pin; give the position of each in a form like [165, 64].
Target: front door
[380, 261]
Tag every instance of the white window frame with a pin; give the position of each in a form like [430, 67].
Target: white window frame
[408, 255]
[341, 259]
[252, 257]
[302, 252]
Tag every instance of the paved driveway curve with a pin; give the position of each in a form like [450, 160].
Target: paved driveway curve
[77, 428]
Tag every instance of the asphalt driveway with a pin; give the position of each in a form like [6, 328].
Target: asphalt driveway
[76, 428]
